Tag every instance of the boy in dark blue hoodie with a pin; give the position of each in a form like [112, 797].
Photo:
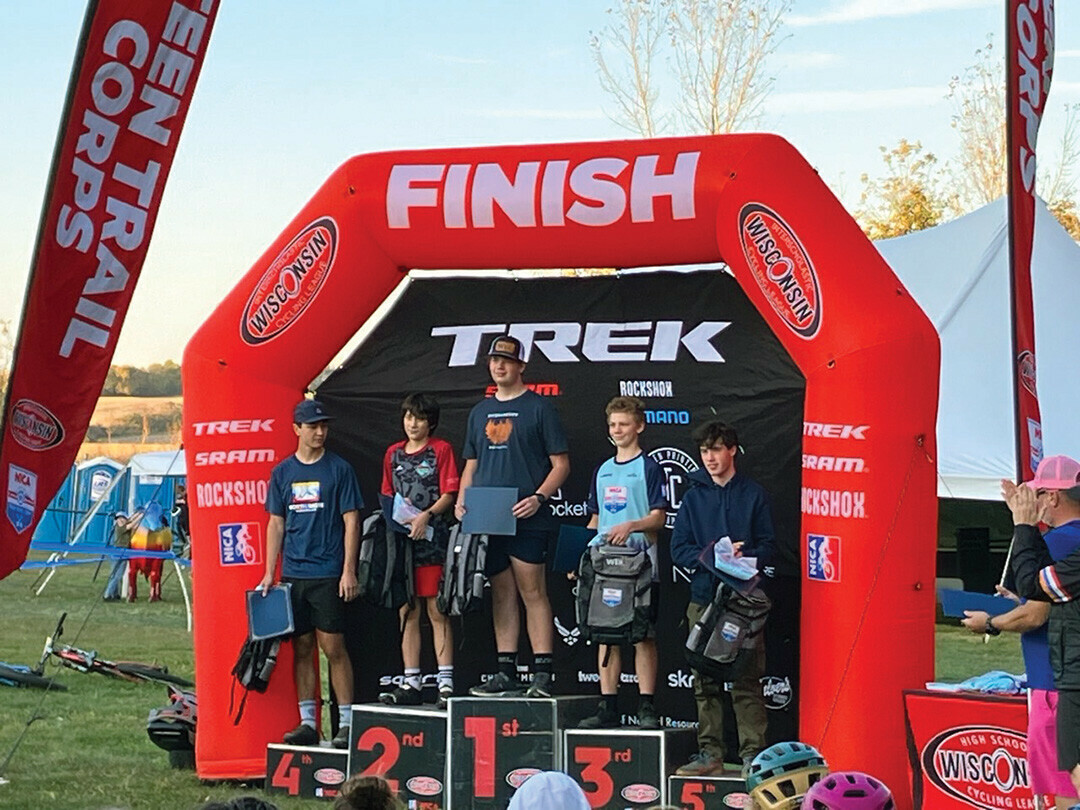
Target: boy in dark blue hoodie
[721, 503]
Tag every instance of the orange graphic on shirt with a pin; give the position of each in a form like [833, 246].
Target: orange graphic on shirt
[498, 430]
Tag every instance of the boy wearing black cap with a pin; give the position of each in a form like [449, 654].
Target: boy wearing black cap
[515, 439]
[314, 502]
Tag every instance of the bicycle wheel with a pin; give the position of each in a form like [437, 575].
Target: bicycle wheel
[149, 672]
[17, 677]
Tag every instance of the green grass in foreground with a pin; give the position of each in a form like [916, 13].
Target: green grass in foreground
[89, 748]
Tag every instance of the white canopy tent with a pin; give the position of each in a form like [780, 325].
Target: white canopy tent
[959, 274]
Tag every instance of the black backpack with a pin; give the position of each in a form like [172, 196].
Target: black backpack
[462, 588]
[253, 669]
[722, 642]
[384, 573]
[616, 601]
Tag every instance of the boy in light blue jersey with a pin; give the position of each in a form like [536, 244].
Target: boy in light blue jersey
[626, 507]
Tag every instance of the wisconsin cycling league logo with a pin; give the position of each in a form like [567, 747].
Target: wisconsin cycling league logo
[239, 543]
[983, 766]
[291, 283]
[677, 466]
[823, 557]
[782, 269]
[1025, 366]
[34, 426]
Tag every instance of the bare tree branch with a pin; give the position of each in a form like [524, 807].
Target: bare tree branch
[634, 36]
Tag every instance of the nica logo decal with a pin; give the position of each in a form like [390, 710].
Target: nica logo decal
[823, 557]
[240, 543]
[34, 426]
[782, 269]
[21, 497]
[615, 498]
[291, 282]
[983, 766]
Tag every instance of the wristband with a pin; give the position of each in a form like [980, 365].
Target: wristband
[990, 629]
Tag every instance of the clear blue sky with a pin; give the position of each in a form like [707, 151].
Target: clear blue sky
[290, 90]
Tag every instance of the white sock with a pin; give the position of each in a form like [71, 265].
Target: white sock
[412, 678]
[446, 676]
[307, 712]
[344, 714]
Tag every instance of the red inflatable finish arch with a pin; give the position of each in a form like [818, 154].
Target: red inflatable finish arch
[869, 354]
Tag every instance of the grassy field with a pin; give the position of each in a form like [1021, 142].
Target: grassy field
[89, 749]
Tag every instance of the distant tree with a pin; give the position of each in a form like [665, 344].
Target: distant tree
[906, 198]
[716, 52]
[157, 380]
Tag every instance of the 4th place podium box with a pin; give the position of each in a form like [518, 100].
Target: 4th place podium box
[477, 754]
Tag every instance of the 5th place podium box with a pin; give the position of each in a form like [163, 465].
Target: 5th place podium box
[478, 752]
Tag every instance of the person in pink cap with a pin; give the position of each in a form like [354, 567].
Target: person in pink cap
[1047, 569]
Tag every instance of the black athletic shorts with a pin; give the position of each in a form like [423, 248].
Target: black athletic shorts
[1068, 729]
[316, 605]
[528, 545]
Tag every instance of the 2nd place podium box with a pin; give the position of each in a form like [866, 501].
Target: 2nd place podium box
[497, 743]
[404, 745]
[620, 768]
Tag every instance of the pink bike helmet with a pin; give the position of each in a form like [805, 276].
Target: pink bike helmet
[848, 790]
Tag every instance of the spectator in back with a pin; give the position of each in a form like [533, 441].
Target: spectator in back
[123, 526]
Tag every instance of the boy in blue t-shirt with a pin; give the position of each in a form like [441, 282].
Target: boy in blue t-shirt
[626, 507]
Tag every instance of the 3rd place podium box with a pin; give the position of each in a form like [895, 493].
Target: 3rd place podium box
[620, 768]
[406, 746]
[497, 743]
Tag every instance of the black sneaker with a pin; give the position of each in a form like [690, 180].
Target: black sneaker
[647, 716]
[341, 739]
[303, 734]
[445, 693]
[541, 685]
[602, 719]
[401, 696]
[498, 685]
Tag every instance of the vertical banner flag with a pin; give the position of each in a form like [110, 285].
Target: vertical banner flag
[135, 70]
[1030, 58]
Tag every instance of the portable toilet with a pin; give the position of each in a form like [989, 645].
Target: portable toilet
[92, 480]
[153, 478]
[58, 519]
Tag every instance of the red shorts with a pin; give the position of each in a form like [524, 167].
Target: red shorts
[426, 579]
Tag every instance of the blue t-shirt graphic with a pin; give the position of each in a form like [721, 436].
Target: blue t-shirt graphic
[312, 498]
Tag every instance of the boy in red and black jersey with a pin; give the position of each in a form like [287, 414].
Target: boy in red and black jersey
[420, 481]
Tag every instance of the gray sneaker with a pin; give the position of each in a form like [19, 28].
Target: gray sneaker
[541, 685]
[647, 716]
[498, 685]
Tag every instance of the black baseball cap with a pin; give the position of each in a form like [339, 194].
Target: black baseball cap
[310, 411]
[507, 346]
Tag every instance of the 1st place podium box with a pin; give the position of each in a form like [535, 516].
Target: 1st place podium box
[626, 767]
[310, 772]
[404, 745]
[708, 792]
[497, 743]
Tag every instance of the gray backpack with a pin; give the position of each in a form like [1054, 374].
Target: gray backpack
[722, 641]
[462, 588]
[615, 598]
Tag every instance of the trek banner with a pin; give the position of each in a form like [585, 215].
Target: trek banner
[1030, 63]
[136, 65]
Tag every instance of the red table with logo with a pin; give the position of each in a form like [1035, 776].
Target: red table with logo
[967, 750]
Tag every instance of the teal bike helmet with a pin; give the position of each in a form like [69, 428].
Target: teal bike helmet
[781, 775]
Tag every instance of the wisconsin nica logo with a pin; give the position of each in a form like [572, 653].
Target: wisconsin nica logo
[1025, 366]
[34, 426]
[984, 766]
[290, 283]
[781, 268]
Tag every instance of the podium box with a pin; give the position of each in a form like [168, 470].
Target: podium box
[708, 792]
[404, 745]
[620, 768]
[498, 743]
[310, 772]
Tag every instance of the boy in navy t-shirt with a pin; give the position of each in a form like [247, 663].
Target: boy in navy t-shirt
[626, 507]
[420, 472]
[314, 502]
